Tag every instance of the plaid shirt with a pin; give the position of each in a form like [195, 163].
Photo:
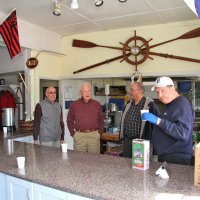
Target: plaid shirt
[132, 121]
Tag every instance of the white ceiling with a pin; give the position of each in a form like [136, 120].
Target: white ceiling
[89, 18]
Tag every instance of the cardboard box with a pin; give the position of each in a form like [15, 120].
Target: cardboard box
[140, 154]
[197, 165]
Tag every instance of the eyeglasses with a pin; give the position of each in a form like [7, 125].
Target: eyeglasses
[52, 92]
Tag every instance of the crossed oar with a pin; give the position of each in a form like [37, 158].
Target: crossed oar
[85, 44]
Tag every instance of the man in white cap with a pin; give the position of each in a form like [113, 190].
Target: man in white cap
[172, 135]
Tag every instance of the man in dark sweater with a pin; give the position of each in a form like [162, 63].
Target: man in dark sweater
[172, 135]
[85, 121]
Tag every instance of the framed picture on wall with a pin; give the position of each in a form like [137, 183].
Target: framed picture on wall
[57, 93]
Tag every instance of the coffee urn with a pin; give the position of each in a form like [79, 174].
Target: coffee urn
[8, 118]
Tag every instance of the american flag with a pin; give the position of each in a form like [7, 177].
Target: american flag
[9, 32]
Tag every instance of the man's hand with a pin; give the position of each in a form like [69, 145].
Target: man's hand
[150, 117]
[62, 141]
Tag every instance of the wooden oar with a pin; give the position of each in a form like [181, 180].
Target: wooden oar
[165, 55]
[86, 44]
[191, 34]
[98, 64]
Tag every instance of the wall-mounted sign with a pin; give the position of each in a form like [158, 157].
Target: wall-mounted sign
[32, 63]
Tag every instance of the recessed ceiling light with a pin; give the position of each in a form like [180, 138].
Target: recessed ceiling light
[74, 4]
[122, 1]
[56, 10]
[98, 2]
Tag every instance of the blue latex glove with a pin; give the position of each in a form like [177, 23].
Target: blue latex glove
[149, 117]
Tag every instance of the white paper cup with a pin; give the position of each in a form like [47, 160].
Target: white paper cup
[5, 131]
[21, 171]
[64, 156]
[20, 162]
[144, 111]
[64, 147]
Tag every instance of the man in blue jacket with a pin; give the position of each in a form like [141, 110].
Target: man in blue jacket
[172, 135]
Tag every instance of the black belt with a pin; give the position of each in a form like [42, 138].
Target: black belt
[86, 131]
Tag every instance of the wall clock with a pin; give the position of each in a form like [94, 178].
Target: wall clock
[137, 50]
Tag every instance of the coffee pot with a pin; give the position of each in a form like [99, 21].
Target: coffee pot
[113, 107]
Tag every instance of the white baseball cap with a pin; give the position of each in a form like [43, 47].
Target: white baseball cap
[162, 82]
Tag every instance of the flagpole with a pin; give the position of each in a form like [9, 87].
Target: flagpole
[23, 80]
[8, 15]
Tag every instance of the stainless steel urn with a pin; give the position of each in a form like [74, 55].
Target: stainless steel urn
[8, 117]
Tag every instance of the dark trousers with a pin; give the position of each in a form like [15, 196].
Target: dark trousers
[127, 147]
[174, 159]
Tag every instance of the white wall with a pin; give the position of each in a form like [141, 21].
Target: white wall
[18, 63]
[34, 37]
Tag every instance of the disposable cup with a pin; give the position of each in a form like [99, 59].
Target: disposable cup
[144, 111]
[64, 156]
[64, 147]
[22, 171]
[5, 131]
[20, 162]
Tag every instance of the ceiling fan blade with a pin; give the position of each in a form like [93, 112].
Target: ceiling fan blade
[87, 44]
[165, 55]
[191, 34]
[98, 64]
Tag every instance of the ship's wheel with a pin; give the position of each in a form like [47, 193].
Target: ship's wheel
[135, 50]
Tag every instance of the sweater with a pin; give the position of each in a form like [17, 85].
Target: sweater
[85, 116]
[48, 123]
[174, 133]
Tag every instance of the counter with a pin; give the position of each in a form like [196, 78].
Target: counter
[96, 176]
[104, 136]
[16, 134]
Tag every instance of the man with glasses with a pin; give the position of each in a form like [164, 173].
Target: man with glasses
[172, 133]
[132, 126]
[48, 121]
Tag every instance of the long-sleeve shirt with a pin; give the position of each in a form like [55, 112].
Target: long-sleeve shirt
[45, 123]
[174, 133]
[85, 116]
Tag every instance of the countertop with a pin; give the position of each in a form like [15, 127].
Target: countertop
[104, 137]
[16, 134]
[99, 177]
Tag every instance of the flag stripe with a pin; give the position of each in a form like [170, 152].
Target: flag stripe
[7, 35]
[9, 32]
[15, 32]
[6, 40]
